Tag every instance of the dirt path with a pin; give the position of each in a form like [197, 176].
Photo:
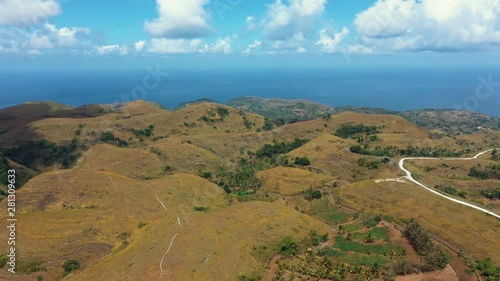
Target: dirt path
[273, 267]
[409, 176]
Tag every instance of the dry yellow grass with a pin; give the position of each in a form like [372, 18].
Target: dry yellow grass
[137, 115]
[291, 181]
[330, 155]
[131, 162]
[188, 158]
[471, 230]
[211, 246]
[66, 210]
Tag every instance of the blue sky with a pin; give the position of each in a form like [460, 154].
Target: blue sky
[255, 32]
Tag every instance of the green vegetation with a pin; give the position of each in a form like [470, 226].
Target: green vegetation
[372, 235]
[268, 125]
[223, 112]
[241, 178]
[349, 246]
[142, 225]
[109, 137]
[201, 209]
[71, 265]
[452, 191]
[486, 268]
[494, 155]
[316, 238]
[312, 194]
[491, 194]
[269, 151]
[289, 246]
[372, 221]
[350, 131]
[148, 132]
[490, 172]
[435, 256]
[302, 161]
[410, 151]
[3, 259]
[372, 165]
[206, 175]
[38, 154]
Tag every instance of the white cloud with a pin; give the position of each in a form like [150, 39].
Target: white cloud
[32, 41]
[179, 19]
[38, 41]
[27, 12]
[139, 45]
[112, 49]
[255, 46]
[427, 25]
[66, 37]
[222, 45]
[329, 44]
[302, 50]
[283, 21]
[165, 46]
[358, 49]
[250, 23]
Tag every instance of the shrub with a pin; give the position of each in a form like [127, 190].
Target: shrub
[311, 194]
[3, 260]
[268, 125]
[435, 256]
[71, 265]
[289, 247]
[206, 175]
[302, 161]
[348, 131]
[201, 209]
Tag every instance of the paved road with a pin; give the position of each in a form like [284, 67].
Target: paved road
[409, 176]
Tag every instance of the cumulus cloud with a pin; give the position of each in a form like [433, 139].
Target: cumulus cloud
[285, 20]
[250, 23]
[67, 37]
[329, 43]
[38, 41]
[179, 19]
[164, 46]
[112, 49]
[23, 40]
[254, 47]
[427, 25]
[139, 45]
[222, 45]
[27, 12]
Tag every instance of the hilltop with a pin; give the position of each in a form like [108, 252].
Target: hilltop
[448, 121]
[212, 192]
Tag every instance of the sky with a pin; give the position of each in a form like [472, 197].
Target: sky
[303, 33]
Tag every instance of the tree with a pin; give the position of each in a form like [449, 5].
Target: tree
[302, 161]
[289, 247]
[71, 265]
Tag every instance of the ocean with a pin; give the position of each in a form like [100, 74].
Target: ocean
[394, 89]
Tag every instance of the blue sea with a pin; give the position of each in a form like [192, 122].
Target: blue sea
[395, 89]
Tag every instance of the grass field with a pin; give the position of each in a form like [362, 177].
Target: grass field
[458, 224]
[291, 181]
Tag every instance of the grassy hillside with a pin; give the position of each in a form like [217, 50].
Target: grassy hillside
[452, 122]
[210, 192]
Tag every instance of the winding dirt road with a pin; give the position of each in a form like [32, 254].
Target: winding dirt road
[409, 176]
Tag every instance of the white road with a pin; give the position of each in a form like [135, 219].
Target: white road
[409, 176]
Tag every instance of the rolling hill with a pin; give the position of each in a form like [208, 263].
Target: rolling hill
[212, 192]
